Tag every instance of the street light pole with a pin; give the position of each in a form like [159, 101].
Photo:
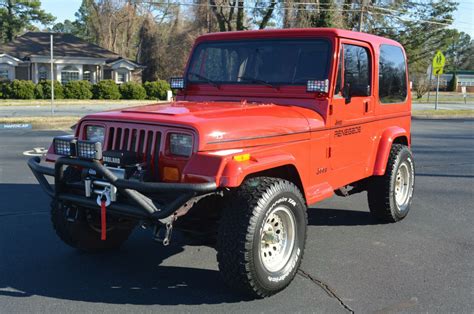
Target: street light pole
[52, 76]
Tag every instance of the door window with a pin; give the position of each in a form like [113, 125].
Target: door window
[354, 72]
[356, 69]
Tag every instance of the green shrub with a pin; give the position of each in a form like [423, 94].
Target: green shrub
[46, 87]
[132, 90]
[5, 90]
[22, 89]
[78, 90]
[39, 91]
[157, 89]
[453, 83]
[106, 89]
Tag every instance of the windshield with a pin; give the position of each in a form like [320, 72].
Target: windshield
[262, 62]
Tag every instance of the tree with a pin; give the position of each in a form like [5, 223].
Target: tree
[18, 15]
[459, 51]
[148, 49]
[65, 27]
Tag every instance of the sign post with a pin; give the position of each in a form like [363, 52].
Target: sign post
[438, 64]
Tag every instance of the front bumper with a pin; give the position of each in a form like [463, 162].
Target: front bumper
[138, 204]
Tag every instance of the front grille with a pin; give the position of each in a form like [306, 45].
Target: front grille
[142, 140]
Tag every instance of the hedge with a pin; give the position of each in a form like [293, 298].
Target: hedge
[46, 88]
[78, 90]
[22, 89]
[132, 90]
[106, 89]
[157, 89]
[5, 90]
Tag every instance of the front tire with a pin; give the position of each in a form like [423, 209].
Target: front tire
[262, 236]
[78, 228]
[390, 195]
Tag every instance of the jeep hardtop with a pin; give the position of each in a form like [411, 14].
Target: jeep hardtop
[264, 125]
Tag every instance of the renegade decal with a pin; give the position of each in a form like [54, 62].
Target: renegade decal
[348, 131]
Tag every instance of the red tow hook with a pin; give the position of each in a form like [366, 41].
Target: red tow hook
[103, 219]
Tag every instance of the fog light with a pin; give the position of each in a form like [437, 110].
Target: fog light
[64, 145]
[177, 83]
[89, 150]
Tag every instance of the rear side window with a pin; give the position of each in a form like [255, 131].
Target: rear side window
[392, 75]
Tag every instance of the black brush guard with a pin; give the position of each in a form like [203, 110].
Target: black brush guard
[142, 207]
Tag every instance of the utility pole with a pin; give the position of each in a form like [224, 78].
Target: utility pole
[52, 76]
[361, 17]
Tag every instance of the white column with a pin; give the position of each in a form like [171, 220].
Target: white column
[81, 71]
[35, 73]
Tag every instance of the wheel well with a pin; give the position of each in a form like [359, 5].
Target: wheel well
[286, 172]
[401, 140]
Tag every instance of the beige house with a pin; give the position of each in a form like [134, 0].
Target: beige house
[27, 57]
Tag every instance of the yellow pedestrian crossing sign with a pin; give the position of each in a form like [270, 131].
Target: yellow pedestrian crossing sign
[437, 71]
[438, 63]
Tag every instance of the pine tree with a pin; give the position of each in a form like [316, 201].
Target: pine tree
[18, 15]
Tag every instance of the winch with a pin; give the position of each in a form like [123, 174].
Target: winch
[124, 165]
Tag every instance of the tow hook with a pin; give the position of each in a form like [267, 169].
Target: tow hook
[162, 233]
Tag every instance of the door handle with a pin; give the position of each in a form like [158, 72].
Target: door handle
[366, 106]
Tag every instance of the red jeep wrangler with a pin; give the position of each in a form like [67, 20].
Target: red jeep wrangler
[265, 124]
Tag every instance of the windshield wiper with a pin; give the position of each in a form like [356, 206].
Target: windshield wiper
[202, 77]
[255, 80]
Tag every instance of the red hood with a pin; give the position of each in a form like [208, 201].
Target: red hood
[226, 124]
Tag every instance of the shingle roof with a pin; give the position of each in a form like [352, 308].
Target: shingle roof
[65, 45]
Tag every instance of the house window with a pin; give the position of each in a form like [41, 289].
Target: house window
[4, 75]
[86, 76]
[69, 73]
[42, 73]
[121, 77]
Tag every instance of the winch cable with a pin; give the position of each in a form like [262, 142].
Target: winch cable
[103, 219]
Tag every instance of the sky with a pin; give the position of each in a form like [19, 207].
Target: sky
[463, 18]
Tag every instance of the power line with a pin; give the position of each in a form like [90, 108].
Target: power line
[358, 10]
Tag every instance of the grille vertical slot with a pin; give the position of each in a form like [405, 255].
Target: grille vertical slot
[136, 139]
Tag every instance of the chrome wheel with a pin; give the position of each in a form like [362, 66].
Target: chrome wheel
[403, 186]
[277, 239]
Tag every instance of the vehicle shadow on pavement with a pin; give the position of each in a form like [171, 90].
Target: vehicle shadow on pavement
[339, 217]
[35, 262]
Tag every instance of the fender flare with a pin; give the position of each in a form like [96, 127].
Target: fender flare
[385, 145]
[234, 172]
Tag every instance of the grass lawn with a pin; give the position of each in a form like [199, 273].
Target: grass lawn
[445, 97]
[444, 113]
[47, 123]
[62, 102]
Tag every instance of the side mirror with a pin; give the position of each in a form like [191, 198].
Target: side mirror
[360, 90]
[354, 90]
[346, 92]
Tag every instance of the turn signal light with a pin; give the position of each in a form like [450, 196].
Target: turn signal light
[243, 157]
[170, 174]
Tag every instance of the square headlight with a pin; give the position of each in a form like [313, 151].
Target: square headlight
[181, 144]
[95, 133]
[89, 150]
[64, 145]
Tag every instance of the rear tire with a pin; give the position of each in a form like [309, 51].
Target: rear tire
[390, 195]
[73, 227]
[262, 236]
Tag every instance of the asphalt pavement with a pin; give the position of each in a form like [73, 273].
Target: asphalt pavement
[424, 263]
